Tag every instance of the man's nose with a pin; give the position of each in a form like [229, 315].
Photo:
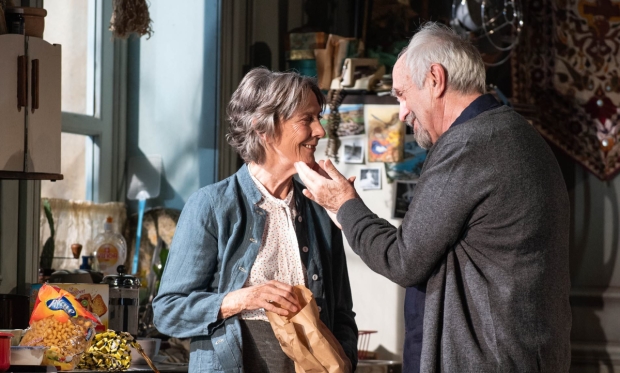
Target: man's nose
[403, 111]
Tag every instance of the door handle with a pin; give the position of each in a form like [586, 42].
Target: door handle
[34, 89]
[22, 82]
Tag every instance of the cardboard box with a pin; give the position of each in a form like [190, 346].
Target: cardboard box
[94, 297]
[34, 291]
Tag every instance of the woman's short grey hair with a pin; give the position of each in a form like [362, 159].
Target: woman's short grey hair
[263, 100]
[436, 43]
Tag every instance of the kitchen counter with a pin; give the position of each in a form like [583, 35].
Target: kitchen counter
[163, 368]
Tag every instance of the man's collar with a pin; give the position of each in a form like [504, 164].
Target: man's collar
[478, 106]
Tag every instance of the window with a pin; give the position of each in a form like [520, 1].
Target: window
[88, 149]
[93, 133]
[74, 167]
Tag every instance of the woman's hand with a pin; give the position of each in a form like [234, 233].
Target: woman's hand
[273, 296]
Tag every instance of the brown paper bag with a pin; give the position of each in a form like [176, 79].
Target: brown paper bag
[306, 340]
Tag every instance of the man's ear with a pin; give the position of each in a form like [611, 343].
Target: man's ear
[437, 80]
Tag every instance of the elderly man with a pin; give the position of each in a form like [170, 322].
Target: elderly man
[486, 234]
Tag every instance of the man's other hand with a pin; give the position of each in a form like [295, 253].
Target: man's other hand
[326, 186]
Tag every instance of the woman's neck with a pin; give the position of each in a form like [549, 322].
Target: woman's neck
[277, 183]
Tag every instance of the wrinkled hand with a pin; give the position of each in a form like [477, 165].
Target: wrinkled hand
[326, 186]
[273, 296]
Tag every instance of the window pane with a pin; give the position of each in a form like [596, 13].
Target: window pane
[73, 168]
[69, 24]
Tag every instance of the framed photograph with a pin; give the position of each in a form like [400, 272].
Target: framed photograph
[410, 167]
[403, 195]
[370, 178]
[353, 149]
[351, 120]
[386, 133]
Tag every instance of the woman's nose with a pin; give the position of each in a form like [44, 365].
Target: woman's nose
[317, 129]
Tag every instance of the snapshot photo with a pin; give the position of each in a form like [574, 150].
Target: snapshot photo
[351, 120]
[370, 178]
[410, 167]
[403, 195]
[353, 149]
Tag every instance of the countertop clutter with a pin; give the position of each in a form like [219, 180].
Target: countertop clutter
[163, 368]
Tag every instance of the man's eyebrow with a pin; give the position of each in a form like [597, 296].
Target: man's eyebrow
[395, 92]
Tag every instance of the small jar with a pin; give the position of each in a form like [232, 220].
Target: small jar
[45, 274]
[5, 351]
[16, 23]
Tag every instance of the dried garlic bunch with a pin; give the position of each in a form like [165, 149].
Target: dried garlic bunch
[130, 16]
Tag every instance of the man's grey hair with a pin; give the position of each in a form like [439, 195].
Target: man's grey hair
[436, 43]
[263, 100]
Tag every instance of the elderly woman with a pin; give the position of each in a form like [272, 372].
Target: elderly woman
[243, 243]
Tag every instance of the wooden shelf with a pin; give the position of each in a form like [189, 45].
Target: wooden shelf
[14, 175]
[368, 98]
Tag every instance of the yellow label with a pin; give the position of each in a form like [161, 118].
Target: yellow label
[107, 255]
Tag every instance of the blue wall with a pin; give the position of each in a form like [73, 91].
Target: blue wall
[172, 97]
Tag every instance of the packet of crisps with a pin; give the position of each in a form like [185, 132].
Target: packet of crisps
[62, 324]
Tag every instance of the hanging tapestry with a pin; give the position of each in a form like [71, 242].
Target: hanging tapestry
[566, 69]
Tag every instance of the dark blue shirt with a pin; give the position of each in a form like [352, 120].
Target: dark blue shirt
[415, 295]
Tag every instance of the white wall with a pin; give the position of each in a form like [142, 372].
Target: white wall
[377, 301]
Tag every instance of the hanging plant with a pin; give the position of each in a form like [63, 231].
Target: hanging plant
[130, 16]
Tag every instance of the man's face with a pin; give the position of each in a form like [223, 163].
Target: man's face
[414, 104]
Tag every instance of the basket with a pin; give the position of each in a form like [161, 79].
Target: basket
[362, 344]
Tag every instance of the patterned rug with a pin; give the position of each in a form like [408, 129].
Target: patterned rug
[566, 70]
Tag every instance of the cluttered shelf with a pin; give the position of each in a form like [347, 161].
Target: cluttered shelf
[368, 98]
[15, 175]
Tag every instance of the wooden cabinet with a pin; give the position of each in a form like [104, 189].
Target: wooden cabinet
[30, 112]
[12, 117]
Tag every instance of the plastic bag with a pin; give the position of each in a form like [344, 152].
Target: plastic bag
[59, 322]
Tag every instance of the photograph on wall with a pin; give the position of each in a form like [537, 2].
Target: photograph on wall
[403, 195]
[411, 166]
[353, 149]
[386, 133]
[370, 178]
[351, 120]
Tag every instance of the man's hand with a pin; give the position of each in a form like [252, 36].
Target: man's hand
[326, 186]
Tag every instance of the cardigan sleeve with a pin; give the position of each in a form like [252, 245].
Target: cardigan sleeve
[455, 181]
[183, 307]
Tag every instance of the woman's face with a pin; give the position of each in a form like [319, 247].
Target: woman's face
[298, 136]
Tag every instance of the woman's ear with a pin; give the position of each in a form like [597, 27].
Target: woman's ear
[262, 136]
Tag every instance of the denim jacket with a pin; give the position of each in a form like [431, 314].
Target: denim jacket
[215, 245]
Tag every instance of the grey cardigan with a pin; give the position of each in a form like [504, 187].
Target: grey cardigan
[487, 230]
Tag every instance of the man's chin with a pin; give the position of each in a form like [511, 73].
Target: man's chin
[422, 139]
